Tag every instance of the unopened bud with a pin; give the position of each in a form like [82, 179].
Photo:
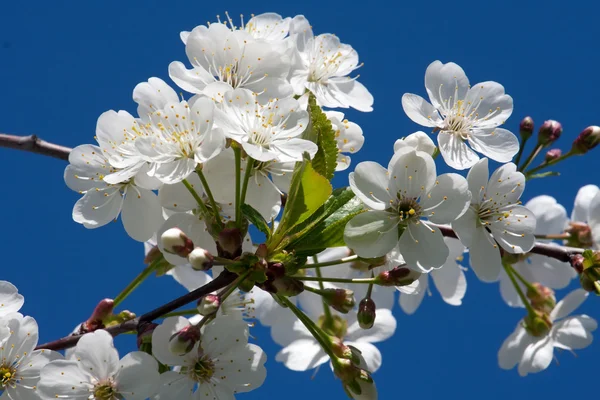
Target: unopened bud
[183, 342]
[538, 324]
[175, 241]
[587, 140]
[200, 259]
[366, 313]
[549, 132]
[103, 310]
[229, 243]
[542, 298]
[209, 304]
[526, 128]
[341, 300]
[399, 276]
[580, 235]
[577, 263]
[357, 381]
[552, 155]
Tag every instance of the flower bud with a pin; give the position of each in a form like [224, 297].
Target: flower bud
[229, 243]
[175, 241]
[357, 381]
[209, 304]
[542, 298]
[577, 262]
[538, 325]
[341, 300]
[183, 342]
[200, 259]
[549, 132]
[399, 276]
[580, 235]
[590, 276]
[587, 140]
[366, 313]
[343, 351]
[552, 155]
[103, 310]
[526, 128]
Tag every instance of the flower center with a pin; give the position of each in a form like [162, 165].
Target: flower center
[335, 326]
[408, 209]
[106, 390]
[203, 370]
[8, 376]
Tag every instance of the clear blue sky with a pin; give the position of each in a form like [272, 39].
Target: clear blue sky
[63, 63]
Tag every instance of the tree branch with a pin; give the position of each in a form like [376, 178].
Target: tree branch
[34, 144]
[135, 324]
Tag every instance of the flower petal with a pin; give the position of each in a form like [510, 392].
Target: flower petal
[466, 227]
[423, 246]
[515, 232]
[537, 356]
[420, 110]
[141, 214]
[445, 83]
[413, 173]
[512, 349]
[372, 234]
[370, 183]
[383, 329]
[419, 141]
[96, 353]
[302, 355]
[138, 376]
[496, 143]
[574, 332]
[409, 303]
[506, 185]
[448, 199]
[494, 107]
[370, 354]
[568, 304]
[450, 281]
[10, 299]
[582, 203]
[455, 151]
[551, 217]
[484, 256]
[64, 378]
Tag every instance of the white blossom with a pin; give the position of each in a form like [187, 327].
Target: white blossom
[535, 353]
[10, 299]
[348, 135]
[417, 141]
[464, 114]
[220, 365]
[322, 65]
[494, 218]
[400, 197]
[587, 210]
[95, 372]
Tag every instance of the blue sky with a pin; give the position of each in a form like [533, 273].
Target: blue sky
[64, 63]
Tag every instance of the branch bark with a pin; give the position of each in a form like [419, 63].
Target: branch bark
[34, 144]
[136, 324]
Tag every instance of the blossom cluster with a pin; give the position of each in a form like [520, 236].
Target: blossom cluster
[253, 148]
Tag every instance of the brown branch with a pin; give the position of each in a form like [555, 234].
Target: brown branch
[137, 324]
[34, 144]
[561, 253]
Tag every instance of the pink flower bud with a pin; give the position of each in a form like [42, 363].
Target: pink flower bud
[366, 313]
[103, 310]
[209, 304]
[587, 140]
[552, 155]
[183, 342]
[175, 241]
[549, 132]
[200, 259]
[526, 128]
[542, 298]
[341, 300]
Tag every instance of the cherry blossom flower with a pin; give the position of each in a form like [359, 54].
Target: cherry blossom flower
[349, 138]
[534, 351]
[587, 210]
[220, 365]
[20, 364]
[96, 372]
[464, 114]
[266, 132]
[223, 59]
[322, 65]
[551, 218]
[449, 280]
[494, 218]
[10, 299]
[102, 202]
[399, 197]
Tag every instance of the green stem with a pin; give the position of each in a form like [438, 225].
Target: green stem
[533, 155]
[528, 306]
[317, 332]
[562, 236]
[208, 192]
[242, 197]
[223, 294]
[312, 290]
[238, 166]
[338, 280]
[370, 288]
[326, 310]
[344, 260]
[549, 163]
[520, 277]
[182, 313]
[136, 281]
[194, 194]
[223, 261]
[521, 148]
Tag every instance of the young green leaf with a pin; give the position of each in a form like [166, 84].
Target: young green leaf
[322, 133]
[256, 219]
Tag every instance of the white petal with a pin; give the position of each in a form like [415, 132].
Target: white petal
[302, 355]
[448, 199]
[372, 234]
[478, 180]
[420, 110]
[141, 214]
[507, 290]
[351, 93]
[177, 197]
[64, 378]
[370, 354]
[293, 149]
[550, 272]
[594, 217]
[22, 339]
[537, 356]
[568, 304]
[466, 227]
[161, 337]
[506, 185]
[243, 368]
[191, 80]
[153, 95]
[138, 376]
[263, 196]
[551, 217]
[383, 329]
[450, 281]
[494, 107]
[574, 332]
[411, 302]
[445, 83]
[96, 354]
[582, 203]
[370, 183]
[423, 246]
[98, 208]
[413, 173]
[10, 299]
[515, 232]
[484, 256]
[512, 349]
[224, 333]
[188, 277]
[455, 151]
[496, 143]
[419, 141]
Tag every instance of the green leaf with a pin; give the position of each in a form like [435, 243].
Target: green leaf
[256, 219]
[308, 191]
[322, 133]
[329, 232]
